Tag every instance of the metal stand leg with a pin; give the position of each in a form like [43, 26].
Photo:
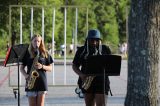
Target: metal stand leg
[18, 85]
[104, 87]
[15, 92]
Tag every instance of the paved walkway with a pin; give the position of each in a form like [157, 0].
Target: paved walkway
[59, 94]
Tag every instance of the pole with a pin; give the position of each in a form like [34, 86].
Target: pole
[65, 13]
[10, 17]
[20, 36]
[52, 52]
[43, 23]
[76, 24]
[20, 25]
[18, 78]
[31, 22]
[18, 85]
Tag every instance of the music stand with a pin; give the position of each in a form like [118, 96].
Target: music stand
[14, 56]
[110, 63]
[103, 65]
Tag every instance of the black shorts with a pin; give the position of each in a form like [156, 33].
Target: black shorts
[97, 86]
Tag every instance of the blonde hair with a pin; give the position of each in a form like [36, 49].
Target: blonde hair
[42, 48]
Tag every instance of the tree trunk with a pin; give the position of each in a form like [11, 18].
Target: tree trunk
[143, 54]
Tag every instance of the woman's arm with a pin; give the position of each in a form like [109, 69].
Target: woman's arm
[78, 72]
[22, 69]
[47, 67]
[44, 67]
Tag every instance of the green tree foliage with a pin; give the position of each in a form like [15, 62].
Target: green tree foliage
[102, 14]
[106, 21]
[121, 8]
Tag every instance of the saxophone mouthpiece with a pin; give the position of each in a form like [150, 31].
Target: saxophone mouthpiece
[37, 50]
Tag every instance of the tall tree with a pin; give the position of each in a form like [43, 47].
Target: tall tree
[144, 42]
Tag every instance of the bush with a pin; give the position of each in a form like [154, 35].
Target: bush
[3, 47]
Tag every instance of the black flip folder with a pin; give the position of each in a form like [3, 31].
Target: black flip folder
[109, 65]
[15, 54]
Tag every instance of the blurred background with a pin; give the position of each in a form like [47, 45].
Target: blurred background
[20, 19]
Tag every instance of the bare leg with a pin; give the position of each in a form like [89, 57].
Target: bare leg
[41, 99]
[100, 100]
[32, 101]
[89, 99]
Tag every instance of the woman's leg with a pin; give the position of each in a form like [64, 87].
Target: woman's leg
[41, 99]
[100, 100]
[89, 99]
[32, 100]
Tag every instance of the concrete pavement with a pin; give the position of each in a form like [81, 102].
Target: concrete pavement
[59, 94]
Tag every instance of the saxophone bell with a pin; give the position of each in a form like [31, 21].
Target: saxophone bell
[35, 74]
[32, 79]
[87, 82]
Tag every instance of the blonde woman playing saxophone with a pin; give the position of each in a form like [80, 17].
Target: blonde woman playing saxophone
[38, 62]
[93, 89]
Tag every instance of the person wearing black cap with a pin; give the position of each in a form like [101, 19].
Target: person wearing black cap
[96, 93]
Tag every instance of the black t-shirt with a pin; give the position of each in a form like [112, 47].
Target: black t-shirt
[79, 59]
[97, 84]
[41, 81]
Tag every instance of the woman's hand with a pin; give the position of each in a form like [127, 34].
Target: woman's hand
[38, 65]
[26, 76]
[83, 77]
[78, 72]
[24, 73]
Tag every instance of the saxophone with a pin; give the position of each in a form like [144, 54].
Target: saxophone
[33, 73]
[88, 81]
